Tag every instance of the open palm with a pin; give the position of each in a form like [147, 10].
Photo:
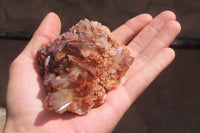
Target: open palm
[148, 41]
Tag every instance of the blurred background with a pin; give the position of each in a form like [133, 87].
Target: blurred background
[171, 104]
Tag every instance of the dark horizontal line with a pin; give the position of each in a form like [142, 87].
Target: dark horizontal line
[178, 43]
[186, 43]
[15, 34]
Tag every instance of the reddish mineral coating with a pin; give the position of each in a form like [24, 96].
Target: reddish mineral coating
[80, 66]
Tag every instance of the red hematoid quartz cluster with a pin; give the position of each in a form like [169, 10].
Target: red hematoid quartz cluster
[80, 66]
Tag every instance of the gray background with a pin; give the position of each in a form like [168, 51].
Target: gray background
[170, 104]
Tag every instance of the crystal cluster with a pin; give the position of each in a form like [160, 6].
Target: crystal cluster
[80, 66]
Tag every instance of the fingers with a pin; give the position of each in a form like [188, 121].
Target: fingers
[136, 84]
[162, 40]
[148, 33]
[48, 29]
[128, 30]
[152, 56]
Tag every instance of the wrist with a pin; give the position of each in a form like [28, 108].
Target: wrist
[14, 127]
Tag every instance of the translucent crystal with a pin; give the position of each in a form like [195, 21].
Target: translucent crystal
[80, 66]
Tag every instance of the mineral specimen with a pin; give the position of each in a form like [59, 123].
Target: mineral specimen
[80, 66]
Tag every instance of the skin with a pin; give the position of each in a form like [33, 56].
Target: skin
[148, 39]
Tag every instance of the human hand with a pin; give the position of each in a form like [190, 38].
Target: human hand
[149, 40]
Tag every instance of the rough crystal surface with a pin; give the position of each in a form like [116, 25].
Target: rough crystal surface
[80, 66]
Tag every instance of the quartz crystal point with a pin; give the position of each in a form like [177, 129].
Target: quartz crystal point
[80, 66]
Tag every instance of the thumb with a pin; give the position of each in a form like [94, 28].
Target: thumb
[48, 29]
